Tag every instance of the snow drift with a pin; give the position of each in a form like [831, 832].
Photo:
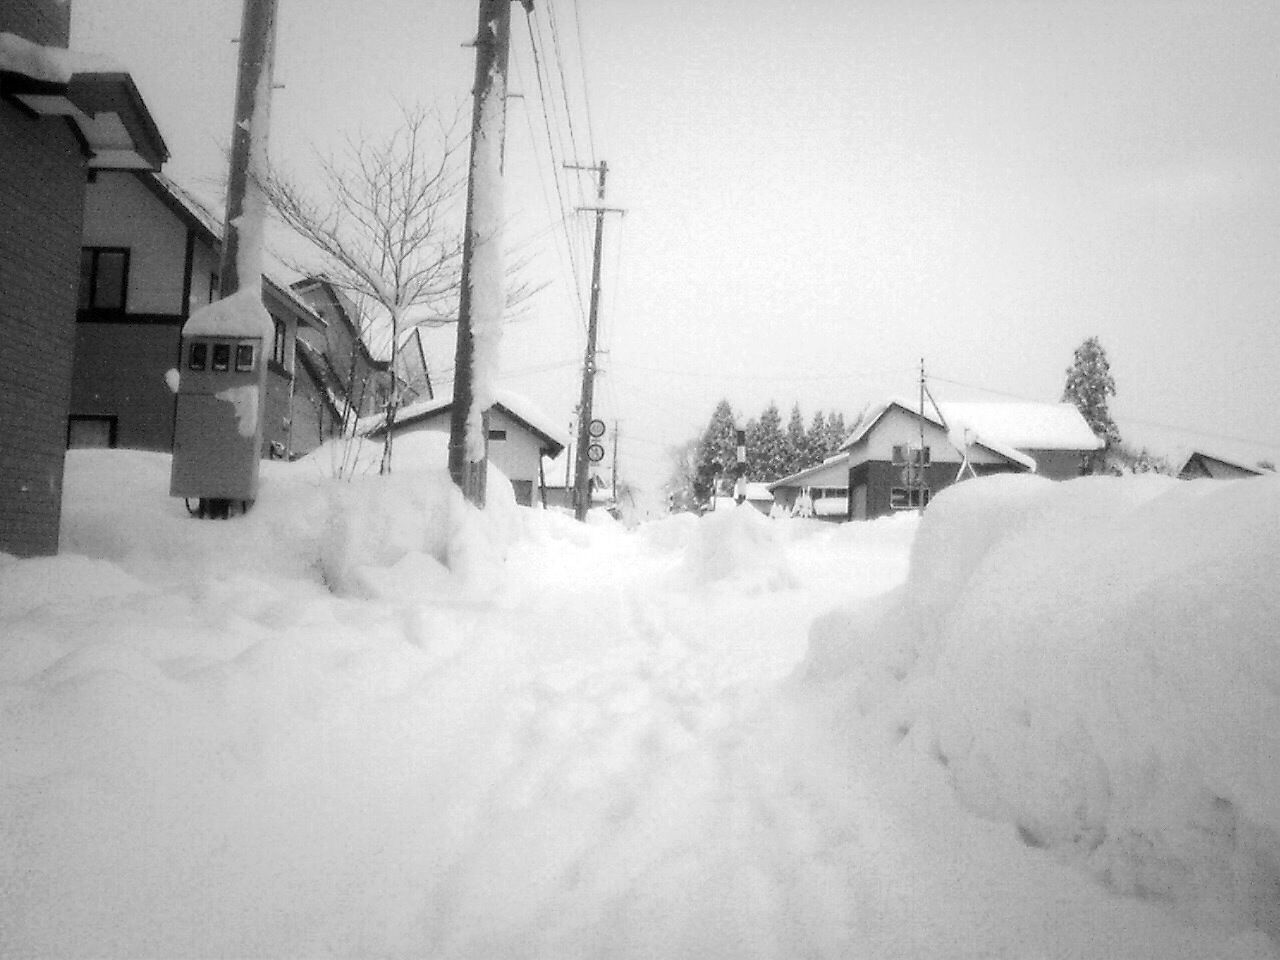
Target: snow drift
[1097, 664]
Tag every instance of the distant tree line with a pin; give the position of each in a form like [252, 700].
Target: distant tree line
[706, 466]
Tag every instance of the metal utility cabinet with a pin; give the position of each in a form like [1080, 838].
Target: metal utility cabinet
[218, 432]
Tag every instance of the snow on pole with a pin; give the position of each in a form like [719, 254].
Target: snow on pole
[486, 274]
[481, 300]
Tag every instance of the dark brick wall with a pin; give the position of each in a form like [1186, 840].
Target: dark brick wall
[46, 22]
[41, 208]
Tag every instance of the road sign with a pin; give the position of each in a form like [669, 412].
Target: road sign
[596, 428]
[595, 453]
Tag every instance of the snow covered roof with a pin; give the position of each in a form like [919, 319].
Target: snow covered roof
[1025, 426]
[514, 405]
[93, 92]
[972, 437]
[798, 479]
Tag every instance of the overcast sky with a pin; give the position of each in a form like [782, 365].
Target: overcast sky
[820, 193]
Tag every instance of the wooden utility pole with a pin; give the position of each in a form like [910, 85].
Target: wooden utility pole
[248, 136]
[468, 441]
[581, 484]
[615, 463]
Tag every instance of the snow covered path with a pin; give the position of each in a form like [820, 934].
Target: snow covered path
[206, 752]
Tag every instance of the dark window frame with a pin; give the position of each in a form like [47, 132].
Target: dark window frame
[908, 498]
[112, 421]
[203, 349]
[279, 338]
[88, 299]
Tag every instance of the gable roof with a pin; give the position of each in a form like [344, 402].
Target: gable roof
[876, 414]
[513, 405]
[798, 478]
[1025, 426]
[192, 211]
[1198, 459]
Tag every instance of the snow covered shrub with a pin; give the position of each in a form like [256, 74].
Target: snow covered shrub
[1098, 667]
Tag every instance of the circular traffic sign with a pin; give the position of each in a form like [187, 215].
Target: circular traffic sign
[595, 453]
[596, 428]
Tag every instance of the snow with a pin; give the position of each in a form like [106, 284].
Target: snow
[244, 399]
[956, 432]
[1094, 664]
[240, 314]
[20, 55]
[366, 719]
[485, 270]
[49, 64]
[1025, 426]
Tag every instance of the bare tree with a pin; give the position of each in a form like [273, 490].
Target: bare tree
[387, 226]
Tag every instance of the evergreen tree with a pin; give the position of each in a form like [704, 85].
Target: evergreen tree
[815, 440]
[836, 434]
[1089, 383]
[766, 446]
[796, 445]
[717, 452]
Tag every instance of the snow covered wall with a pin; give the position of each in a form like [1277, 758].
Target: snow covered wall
[1097, 664]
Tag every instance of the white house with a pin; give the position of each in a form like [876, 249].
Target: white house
[520, 435]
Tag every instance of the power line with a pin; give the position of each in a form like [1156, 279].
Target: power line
[770, 377]
[1126, 419]
[582, 69]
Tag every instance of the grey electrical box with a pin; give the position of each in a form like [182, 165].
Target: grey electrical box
[217, 439]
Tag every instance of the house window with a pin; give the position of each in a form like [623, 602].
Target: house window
[904, 453]
[244, 357]
[199, 357]
[277, 345]
[908, 498]
[90, 432]
[215, 285]
[497, 434]
[104, 277]
[221, 357]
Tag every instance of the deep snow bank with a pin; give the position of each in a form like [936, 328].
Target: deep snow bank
[362, 536]
[1098, 664]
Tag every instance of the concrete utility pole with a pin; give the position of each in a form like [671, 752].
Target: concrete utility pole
[581, 484]
[257, 56]
[493, 34]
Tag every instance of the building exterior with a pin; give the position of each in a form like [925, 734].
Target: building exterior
[148, 258]
[1202, 466]
[898, 458]
[519, 437]
[345, 381]
[1055, 435]
[61, 121]
[820, 491]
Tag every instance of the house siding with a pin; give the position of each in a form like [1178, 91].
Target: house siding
[120, 211]
[121, 358]
[517, 457]
[41, 215]
[40, 21]
[1058, 464]
[119, 372]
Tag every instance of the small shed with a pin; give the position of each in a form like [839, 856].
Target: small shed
[519, 437]
[1198, 465]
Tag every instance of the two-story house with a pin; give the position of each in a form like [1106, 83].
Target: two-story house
[148, 257]
[898, 457]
